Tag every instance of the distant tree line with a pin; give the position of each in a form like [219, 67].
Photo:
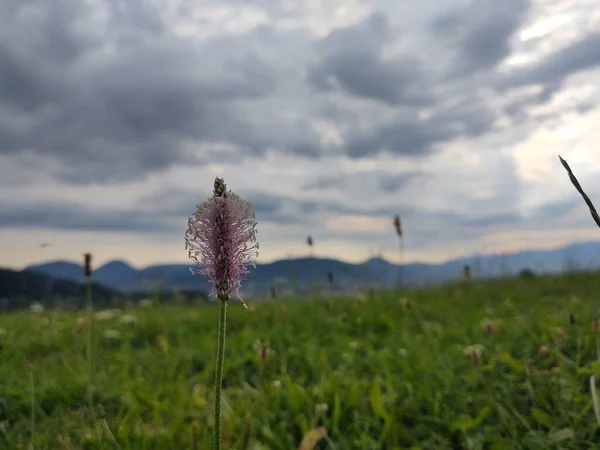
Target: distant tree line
[18, 290]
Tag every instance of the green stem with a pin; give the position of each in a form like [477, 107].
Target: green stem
[90, 354]
[32, 385]
[219, 372]
[88, 295]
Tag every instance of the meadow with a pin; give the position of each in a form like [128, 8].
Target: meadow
[503, 364]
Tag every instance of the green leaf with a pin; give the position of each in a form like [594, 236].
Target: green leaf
[466, 422]
[481, 416]
[297, 396]
[377, 400]
[337, 410]
[507, 359]
[542, 417]
[596, 368]
[561, 435]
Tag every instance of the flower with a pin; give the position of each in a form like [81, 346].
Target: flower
[221, 239]
[146, 303]
[128, 319]
[112, 334]
[104, 315]
[474, 351]
[321, 408]
[37, 307]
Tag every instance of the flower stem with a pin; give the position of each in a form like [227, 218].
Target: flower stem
[90, 355]
[219, 372]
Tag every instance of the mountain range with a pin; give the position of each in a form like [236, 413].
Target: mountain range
[303, 273]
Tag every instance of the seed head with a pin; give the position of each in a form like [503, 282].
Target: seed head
[221, 239]
[87, 263]
[398, 225]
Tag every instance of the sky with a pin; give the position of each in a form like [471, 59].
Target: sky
[330, 117]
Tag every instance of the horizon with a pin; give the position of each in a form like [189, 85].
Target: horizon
[308, 257]
[330, 120]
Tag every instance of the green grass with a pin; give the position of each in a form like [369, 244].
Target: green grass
[390, 376]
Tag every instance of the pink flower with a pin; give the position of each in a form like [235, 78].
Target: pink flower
[221, 239]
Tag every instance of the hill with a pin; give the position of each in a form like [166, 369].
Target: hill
[303, 273]
[19, 289]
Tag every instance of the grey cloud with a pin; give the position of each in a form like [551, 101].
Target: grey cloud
[481, 31]
[351, 59]
[581, 55]
[408, 136]
[157, 100]
[269, 207]
[387, 182]
[558, 210]
[166, 211]
[21, 86]
[120, 115]
[395, 183]
[73, 216]
[325, 183]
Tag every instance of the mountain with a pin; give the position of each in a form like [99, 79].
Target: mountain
[118, 275]
[65, 270]
[302, 273]
[19, 289]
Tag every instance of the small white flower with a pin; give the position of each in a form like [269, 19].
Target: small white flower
[112, 334]
[128, 319]
[276, 384]
[478, 348]
[146, 303]
[404, 302]
[322, 408]
[485, 322]
[104, 315]
[37, 307]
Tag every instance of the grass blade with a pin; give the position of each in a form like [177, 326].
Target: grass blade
[587, 200]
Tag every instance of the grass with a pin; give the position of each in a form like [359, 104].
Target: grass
[377, 372]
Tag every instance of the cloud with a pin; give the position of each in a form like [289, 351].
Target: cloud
[351, 60]
[395, 182]
[116, 117]
[76, 217]
[481, 31]
[580, 55]
[120, 108]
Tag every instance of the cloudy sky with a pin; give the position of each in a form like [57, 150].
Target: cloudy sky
[330, 116]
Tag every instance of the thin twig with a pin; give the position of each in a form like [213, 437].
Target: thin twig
[587, 200]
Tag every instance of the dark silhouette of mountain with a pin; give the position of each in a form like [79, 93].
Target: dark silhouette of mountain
[301, 273]
[65, 270]
[19, 289]
[118, 275]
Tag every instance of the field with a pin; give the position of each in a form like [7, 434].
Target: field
[485, 365]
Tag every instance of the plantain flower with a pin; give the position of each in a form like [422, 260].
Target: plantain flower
[221, 239]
